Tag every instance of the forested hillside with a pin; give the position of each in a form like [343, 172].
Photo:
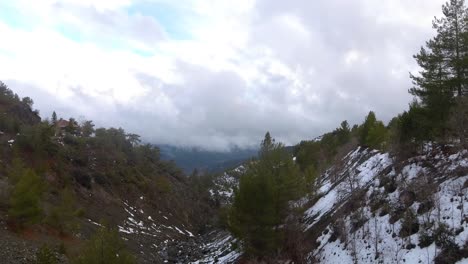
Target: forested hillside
[64, 181]
[373, 192]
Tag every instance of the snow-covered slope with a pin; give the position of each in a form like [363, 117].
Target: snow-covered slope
[374, 210]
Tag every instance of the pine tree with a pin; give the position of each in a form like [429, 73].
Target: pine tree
[105, 247]
[444, 63]
[54, 118]
[261, 202]
[344, 133]
[25, 200]
[369, 123]
[377, 136]
[64, 215]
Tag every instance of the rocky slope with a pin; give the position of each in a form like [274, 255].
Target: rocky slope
[370, 208]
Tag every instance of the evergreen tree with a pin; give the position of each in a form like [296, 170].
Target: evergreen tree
[369, 123]
[87, 128]
[377, 136]
[105, 247]
[261, 202]
[344, 133]
[25, 200]
[64, 215]
[444, 65]
[54, 118]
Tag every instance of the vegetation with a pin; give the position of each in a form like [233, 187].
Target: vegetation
[63, 160]
[444, 74]
[261, 202]
[45, 255]
[25, 201]
[105, 247]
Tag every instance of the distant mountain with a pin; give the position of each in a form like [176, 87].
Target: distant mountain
[210, 161]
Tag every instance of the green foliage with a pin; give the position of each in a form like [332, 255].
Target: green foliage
[54, 118]
[458, 122]
[16, 112]
[444, 67]
[163, 185]
[409, 224]
[105, 247]
[318, 154]
[409, 130]
[38, 140]
[64, 215]
[368, 124]
[343, 133]
[261, 201]
[45, 256]
[373, 133]
[16, 170]
[377, 136]
[25, 201]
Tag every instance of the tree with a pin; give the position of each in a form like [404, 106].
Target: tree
[368, 124]
[28, 102]
[377, 136]
[105, 247]
[459, 120]
[25, 200]
[63, 216]
[87, 128]
[344, 133]
[54, 118]
[444, 64]
[261, 201]
[72, 127]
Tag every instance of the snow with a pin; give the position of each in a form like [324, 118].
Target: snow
[463, 261]
[359, 174]
[412, 171]
[323, 205]
[189, 233]
[94, 223]
[219, 251]
[451, 197]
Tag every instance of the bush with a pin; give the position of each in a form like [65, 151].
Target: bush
[444, 238]
[105, 247]
[63, 216]
[82, 178]
[425, 239]
[45, 256]
[25, 200]
[409, 225]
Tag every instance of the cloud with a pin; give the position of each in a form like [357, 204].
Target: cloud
[215, 74]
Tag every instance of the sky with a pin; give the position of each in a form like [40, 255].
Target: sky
[214, 73]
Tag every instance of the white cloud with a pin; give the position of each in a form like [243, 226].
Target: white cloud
[295, 68]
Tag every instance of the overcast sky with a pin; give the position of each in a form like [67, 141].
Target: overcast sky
[214, 73]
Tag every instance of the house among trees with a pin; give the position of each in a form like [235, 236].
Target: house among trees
[62, 124]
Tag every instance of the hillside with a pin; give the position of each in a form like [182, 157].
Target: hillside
[61, 182]
[369, 208]
[190, 159]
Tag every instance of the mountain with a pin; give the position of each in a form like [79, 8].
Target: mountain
[371, 207]
[203, 160]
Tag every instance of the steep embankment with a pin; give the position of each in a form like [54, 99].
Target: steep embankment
[375, 210]
[370, 208]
